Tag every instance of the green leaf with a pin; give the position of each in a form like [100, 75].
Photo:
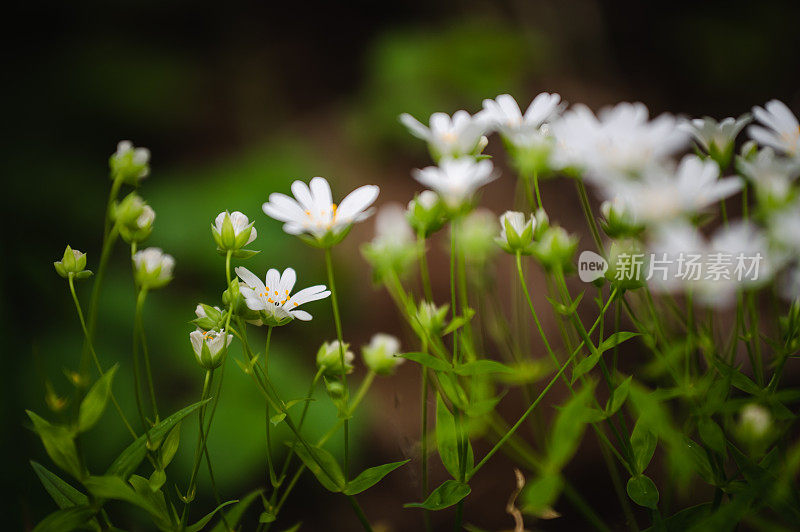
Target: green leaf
[112, 487]
[206, 518]
[170, 445]
[370, 477]
[66, 519]
[330, 474]
[585, 366]
[538, 496]
[277, 418]
[616, 339]
[127, 462]
[711, 434]
[685, 519]
[59, 443]
[642, 491]
[644, 444]
[446, 495]
[482, 367]
[436, 364]
[568, 429]
[94, 404]
[618, 396]
[267, 517]
[447, 441]
[235, 514]
[63, 494]
[458, 321]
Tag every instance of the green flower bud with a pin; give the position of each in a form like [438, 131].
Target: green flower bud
[379, 355]
[210, 347]
[620, 271]
[426, 213]
[73, 263]
[134, 218]
[431, 317]
[129, 164]
[153, 268]
[335, 388]
[516, 234]
[329, 358]
[209, 317]
[232, 231]
[556, 248]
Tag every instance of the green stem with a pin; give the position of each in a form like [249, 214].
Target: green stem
[587, 212]
[272, 478]
[424, 438]
[424, 273]
[338, 323]
[90, 344]
[360, 513]
[201, 442]
[140, 326]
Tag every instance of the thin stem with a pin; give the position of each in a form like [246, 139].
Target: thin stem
[139, 324]
[423, 267]
[272, 478]
[90, 344]
[338, 322]
[201, 442]
[424, 438]
[360, 513]
[587, 212]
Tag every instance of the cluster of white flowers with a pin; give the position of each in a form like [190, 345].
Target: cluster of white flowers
[648, 184]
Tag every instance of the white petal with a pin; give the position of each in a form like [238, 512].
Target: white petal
[321, 192]
[249, 278]
[301, 315]
[415, 127]
[288, 279]
[303, 195]
[357, 201]
[273, 281]
[312, 293]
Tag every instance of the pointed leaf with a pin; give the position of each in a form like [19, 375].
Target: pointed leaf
[94, 404]
[458, 322]
[446, 495]
[59, 444]
[370, 477]
[436, 364]
[538, 496]
[205, 519]
[447, 441]
[711, 434]
[585, 366]
[170, 445]
[323, 465]
[482, 367]
[618, 396]
[615, 339]
[235, 514]
[127, 462]
[66, 519]
[644, 444]
[62, 492]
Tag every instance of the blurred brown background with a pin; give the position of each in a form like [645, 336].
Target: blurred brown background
[236, 99]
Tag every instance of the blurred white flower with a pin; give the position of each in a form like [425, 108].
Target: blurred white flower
[619, 142]
[664, 193]
[456, 180]
[312, 210]
[273, 296]
[209, 346]
[153, 267]
[463, 134]
[504, 115]
[379, 355]
[329, 358]
[392, 230]
[716, 137]
[771, 174]
[755, 420]
[129, 164]
[782, 131]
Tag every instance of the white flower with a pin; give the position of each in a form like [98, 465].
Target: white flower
[712, 135]
[274, 296]
[456, 180]
[782, 130]
[209, 346]
[663, 194]
[516, 234]
[242, 229]
[684, 259]
[619, 142]
[312, 209]
[784, 229]
[427, 199]
[391, 228]
[329, 358]
[504, 114]
[379, 355]
[772, 175]
[449, 137]
[129, 164]
[147, 217]
[153, 267]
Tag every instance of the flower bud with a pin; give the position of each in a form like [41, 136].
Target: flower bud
[153, 268]
[329, 358]
[516, 235]
[73, 263]
[619, 220]
[233, 231]
[334, 388]
[431, 317]
[129, 164]
[621, 256]
[379, 355]
[541, 223]
[426, 213]
[210, 347]
[208, 317]
[556, 248]
[133, 217]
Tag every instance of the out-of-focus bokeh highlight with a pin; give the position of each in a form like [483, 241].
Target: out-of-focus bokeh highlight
[236, 100]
